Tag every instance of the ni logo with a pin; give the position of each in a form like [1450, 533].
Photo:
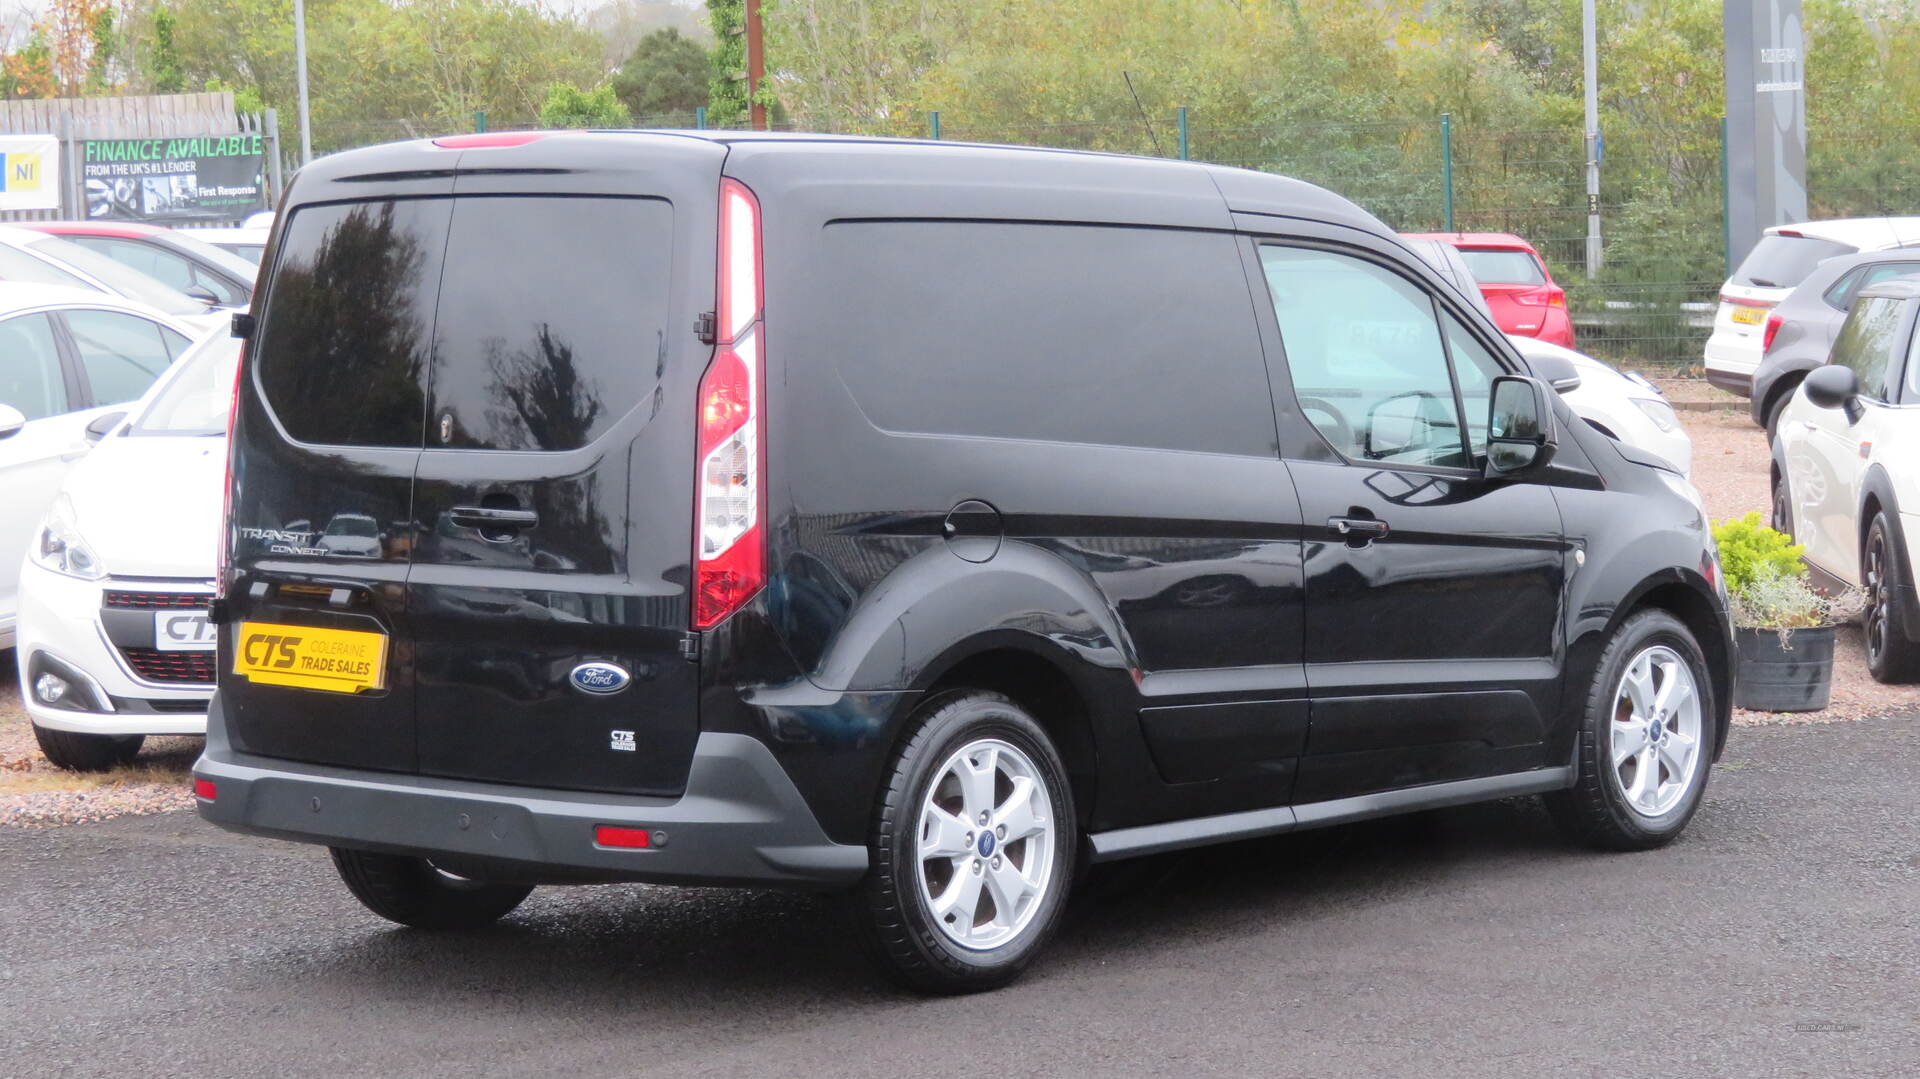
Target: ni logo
[19, 172]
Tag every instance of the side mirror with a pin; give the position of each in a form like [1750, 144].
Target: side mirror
[1556, 371]
[202, 293]
[1520, 427]
[103, 425]
[11, 420]
[1834, 386]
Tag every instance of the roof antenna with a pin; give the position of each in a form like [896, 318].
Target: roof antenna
[1143, 115]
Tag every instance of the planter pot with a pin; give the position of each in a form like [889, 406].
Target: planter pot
[1795, 677]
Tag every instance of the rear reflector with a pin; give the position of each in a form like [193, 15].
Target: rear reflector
[486, 141]
[204, 788]
[631, 838]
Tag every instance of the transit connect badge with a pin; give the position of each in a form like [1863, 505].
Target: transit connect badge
[600, 678]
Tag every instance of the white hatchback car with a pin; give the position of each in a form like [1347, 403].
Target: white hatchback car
[1846, 470]
[1782, 259]
[114, 642]
[68, 360]
[1624, 406]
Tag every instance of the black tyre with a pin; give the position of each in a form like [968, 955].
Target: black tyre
[1892, 654]
[1782, 506]
[973, 848]
[412, 892]
[1646, 742]
[78, 752]
[1781, 398]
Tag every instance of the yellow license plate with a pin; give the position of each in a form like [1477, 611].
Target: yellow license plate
[337, 660]
[1750, 316]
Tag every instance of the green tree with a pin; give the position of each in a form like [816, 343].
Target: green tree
[165, 75]
[727, 64]
[569, 106]
[665, 76]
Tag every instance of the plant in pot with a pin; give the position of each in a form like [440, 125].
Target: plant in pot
[1782, 627]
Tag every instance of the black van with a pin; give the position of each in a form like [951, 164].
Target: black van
[916, 520]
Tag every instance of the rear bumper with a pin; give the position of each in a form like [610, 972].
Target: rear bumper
[741, 821]
[1732, 381]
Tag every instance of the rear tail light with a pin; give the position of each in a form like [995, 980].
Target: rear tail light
[1741, 301]
[1544, 297]
[1767, 335]
[730, 550]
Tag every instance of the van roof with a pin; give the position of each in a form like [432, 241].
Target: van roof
[1244, 190]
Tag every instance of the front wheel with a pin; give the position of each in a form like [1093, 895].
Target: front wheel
[1646, 742]
[973, 847]
[412, 892]
[1892, 656]
[78, 752]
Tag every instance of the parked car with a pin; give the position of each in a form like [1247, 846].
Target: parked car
[1624, 406]
[30, 257]
[114, 642]
[1515, 280]
[1619, 404]
[245, 242]
[68, 357]
[967, 396]
[1800, 332]
[1782, 259]
[1845, 485]
[210, 274]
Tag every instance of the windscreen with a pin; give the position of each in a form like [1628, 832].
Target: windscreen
[198, 398]
[1503, 266]
[123, 280]
[1781, 261]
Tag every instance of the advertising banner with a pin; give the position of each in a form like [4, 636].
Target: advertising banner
[29, 172]
[203, 178]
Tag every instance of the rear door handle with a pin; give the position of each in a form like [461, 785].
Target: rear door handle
[489, 518]
[1359, 531]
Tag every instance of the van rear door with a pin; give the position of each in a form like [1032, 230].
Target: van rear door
[547, 597]
[326, 435]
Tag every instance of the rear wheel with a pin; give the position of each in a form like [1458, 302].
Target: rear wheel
[973, 847]
[1782, 506]
[412, 892]
[77, 752]
[1892, 656]
[1647, 741]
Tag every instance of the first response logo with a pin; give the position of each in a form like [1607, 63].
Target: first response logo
[309, 657]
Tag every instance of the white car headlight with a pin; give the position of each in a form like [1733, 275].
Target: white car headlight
[1659, 412]
[58, 545]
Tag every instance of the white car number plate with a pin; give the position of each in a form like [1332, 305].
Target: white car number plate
[182, 631]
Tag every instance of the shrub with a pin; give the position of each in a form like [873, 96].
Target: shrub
[1750, 550]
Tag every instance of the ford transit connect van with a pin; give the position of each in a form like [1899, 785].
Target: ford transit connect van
[917, 521]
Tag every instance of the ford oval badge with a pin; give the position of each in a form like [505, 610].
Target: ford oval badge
[602, 678]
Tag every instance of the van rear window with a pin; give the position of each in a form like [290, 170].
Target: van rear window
[342, 349]
[1785, 261]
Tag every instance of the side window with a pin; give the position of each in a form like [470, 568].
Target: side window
[30, 378]
[1888, 271]
[17, 265]
[163, 266]
[1868, 340]
[120, 354]
[223, 292]
[1366, 358]
[552, 314]
[343, 343]
[176, 342]
[1839, 295]
[1061, 333]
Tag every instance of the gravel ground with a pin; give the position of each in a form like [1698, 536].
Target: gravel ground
[1730, 469]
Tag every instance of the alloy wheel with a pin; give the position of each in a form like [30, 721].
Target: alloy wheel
[1879, 598]
[1656, 731]
[985, 844]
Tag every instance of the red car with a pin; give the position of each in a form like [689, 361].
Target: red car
[1515, 281]
[195, 267]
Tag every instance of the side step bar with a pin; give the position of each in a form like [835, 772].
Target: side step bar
[1176, 835]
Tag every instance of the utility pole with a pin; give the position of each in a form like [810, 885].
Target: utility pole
[1593, 138]
[757, 67]
[300, 77]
